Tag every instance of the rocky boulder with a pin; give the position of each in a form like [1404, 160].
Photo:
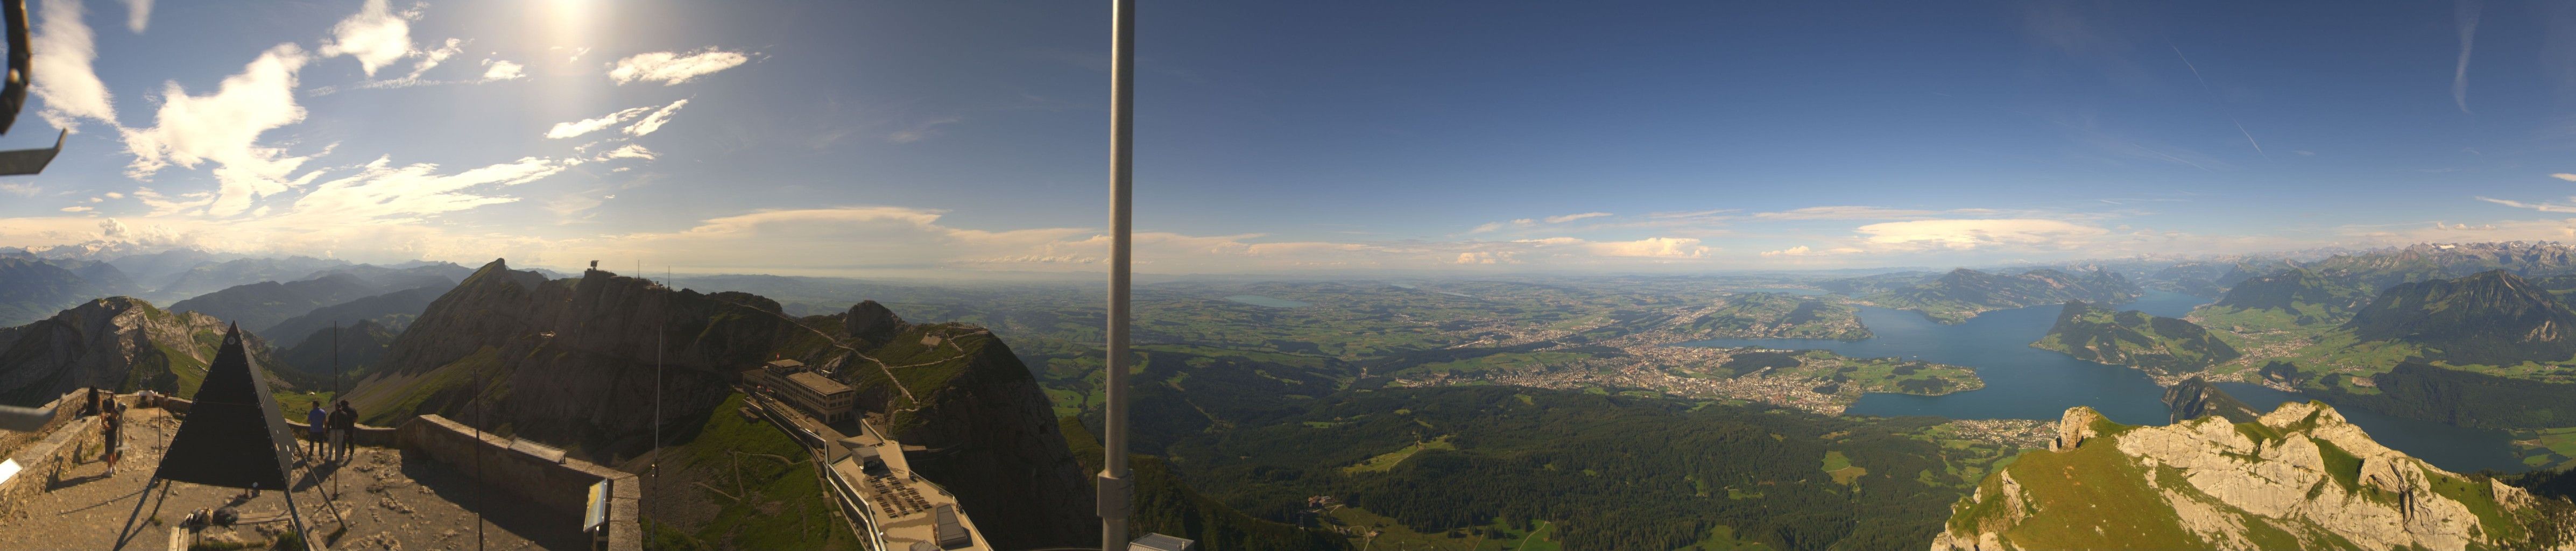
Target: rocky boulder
[872, 322]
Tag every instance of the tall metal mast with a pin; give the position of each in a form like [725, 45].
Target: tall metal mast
[1115, 485]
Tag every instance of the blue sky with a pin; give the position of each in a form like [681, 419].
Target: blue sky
[969, 137]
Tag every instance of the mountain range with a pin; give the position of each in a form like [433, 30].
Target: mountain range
[117, 342]
[1964, 293]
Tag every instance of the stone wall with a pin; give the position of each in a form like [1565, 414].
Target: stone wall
[42, 463]
[65, 409]
[537, 473]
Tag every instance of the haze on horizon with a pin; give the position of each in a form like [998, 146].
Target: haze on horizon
[967, 137]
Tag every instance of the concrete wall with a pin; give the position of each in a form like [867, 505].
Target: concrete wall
[541, 475]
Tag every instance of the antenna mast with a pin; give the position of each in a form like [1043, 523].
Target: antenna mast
[1114, 484]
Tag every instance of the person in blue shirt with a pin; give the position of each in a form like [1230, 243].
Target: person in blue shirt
[319, 420]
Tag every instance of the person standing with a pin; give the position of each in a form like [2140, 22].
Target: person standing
[316, 422]
[108, 422]
[344, 429]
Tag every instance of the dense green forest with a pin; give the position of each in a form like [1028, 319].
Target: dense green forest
[1615, 472]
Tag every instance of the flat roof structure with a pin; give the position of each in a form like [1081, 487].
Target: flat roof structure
[817, 383]
[901, 510]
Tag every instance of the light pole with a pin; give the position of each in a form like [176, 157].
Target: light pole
[1115, 485]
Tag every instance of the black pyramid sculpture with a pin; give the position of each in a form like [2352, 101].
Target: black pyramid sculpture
[233, 436]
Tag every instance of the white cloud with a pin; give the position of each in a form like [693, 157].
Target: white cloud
[919, 131]
[1563, 218]
[2542, 207]
[164, 206]
[376, 36]
[78, 209]
[64, 52]
[115, 195]
[671, 68]
[628, 151]
[1846, 213]
[1966, 234]
[430, 59]
[138, 14]
[386, 193]
[655, 121]
[1656, 247]
[2564, 176]
[652, 119]
[224, 128]
[577, 128]
[1800, 250]
[574, 203]
[503, 70]
[18, 189]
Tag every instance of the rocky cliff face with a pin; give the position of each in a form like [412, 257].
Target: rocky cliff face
[2160, 345]
[2300, 477]
[116, 342]
[352, 351]
[2195, 398]
[571, 362]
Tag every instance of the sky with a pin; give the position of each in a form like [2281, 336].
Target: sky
[970, 138]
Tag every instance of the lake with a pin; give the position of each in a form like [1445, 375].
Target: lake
[1258, 300]
[2029, 383]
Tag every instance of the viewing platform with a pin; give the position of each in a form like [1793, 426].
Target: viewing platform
[419, 486]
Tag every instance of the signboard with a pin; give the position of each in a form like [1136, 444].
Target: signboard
[596, 515]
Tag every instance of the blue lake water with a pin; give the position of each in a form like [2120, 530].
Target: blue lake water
[1258, 300]
[2029, 383]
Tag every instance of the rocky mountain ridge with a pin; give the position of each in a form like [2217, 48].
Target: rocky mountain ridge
[571, 362]
[2299, 477]
[2195, 398]
[117, 342]
[2493, 318]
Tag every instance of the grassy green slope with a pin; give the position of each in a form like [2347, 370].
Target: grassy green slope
[2154, 343]
[750, 487]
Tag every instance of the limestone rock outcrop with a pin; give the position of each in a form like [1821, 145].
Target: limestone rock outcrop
[874, 323]
[2299, 477]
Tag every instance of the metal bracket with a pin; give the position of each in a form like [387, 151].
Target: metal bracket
[1115, 493]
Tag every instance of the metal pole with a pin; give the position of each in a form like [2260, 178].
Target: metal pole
[1114, 484]
[347, 439]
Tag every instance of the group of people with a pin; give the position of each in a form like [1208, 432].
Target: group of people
[332, 432]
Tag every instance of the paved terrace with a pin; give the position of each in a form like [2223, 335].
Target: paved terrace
[384, 499]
